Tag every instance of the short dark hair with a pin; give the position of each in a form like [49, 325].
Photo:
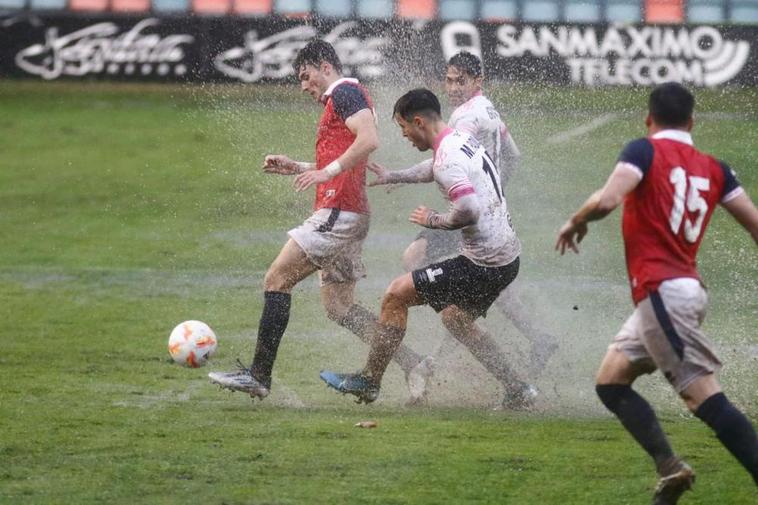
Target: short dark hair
[417, 101]
[467, 63]
[671, 104]
[316, 52]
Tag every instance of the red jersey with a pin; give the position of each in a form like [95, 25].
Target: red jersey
[347, 190]
[666, 215]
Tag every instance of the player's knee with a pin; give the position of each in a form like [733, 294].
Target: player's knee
[692, 404]
[272, 281]
[390, 301]
[335, 312]
[693, 401]
[414, 256]
[612, 394]
[277, 280]
[394, 296]
[452, 320]
[410, 261]
[449, 321]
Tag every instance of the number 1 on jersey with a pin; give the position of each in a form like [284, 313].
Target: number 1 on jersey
[692, 199]
[487, 167]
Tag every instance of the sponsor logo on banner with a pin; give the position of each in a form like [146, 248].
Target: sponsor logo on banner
[631, 54]
[102, 49]
[272, 57]
[617, 54]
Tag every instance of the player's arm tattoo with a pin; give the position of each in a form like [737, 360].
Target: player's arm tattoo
[463, 212]
[420, 172]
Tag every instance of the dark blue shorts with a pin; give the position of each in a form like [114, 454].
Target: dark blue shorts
[461, 282]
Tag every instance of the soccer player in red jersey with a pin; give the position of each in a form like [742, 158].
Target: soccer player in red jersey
[330, 241]
[669, 190]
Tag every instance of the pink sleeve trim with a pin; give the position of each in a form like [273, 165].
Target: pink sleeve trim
[458, 191]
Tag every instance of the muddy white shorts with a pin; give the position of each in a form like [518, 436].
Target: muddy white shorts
[664, 332]
[333, 241]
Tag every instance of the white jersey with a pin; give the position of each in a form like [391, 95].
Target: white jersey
[478, 117]
[462, 167]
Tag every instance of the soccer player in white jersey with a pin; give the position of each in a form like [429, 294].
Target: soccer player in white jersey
[462, 288]
[475, 114]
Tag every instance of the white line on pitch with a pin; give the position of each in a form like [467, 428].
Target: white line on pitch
[565, 136]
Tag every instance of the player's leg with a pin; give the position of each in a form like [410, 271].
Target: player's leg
[615, 377]
[338, 300]
[430, 246]
[686, 357]
[667, 325]
[483, 347]
[342, 266]
[733, 429]
[614, 387]
[414, 255]
[543, 344]
[290, 267]
[390, 331]
[393, 320]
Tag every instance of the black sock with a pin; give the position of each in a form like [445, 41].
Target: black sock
[733, 429]
[637, 416]
[274, 319]
[364, 324]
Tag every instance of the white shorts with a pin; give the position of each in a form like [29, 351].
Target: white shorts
[332, 239]
[664, 332]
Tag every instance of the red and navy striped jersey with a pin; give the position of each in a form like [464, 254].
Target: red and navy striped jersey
[347, 190]
[666, 215]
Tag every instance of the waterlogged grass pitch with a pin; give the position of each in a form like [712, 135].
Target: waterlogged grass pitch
[127, 209]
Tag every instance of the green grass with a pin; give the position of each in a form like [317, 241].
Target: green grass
[127, 209]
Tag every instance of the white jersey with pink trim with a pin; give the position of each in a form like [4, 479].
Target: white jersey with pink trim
[478, 117]
[462, 167]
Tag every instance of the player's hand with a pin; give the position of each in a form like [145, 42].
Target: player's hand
[279, 164]
[309, 178]
[569, 236]
[420, 216]
[382, 174]
[382, 177]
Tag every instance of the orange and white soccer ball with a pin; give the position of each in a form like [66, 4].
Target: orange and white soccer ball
[192, 343]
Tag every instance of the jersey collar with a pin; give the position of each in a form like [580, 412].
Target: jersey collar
[441, 135]
[470, 101]
[336, 83]
[677, 135]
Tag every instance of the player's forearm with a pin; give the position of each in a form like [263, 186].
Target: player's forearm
[591, 210]
[359, 151]
[420, 172]
[744, 211]
[510, 157]
[509, 163]
[303, 166]
[464, 212]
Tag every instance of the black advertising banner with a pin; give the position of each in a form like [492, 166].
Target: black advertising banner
[182, 48]
[597, 55]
